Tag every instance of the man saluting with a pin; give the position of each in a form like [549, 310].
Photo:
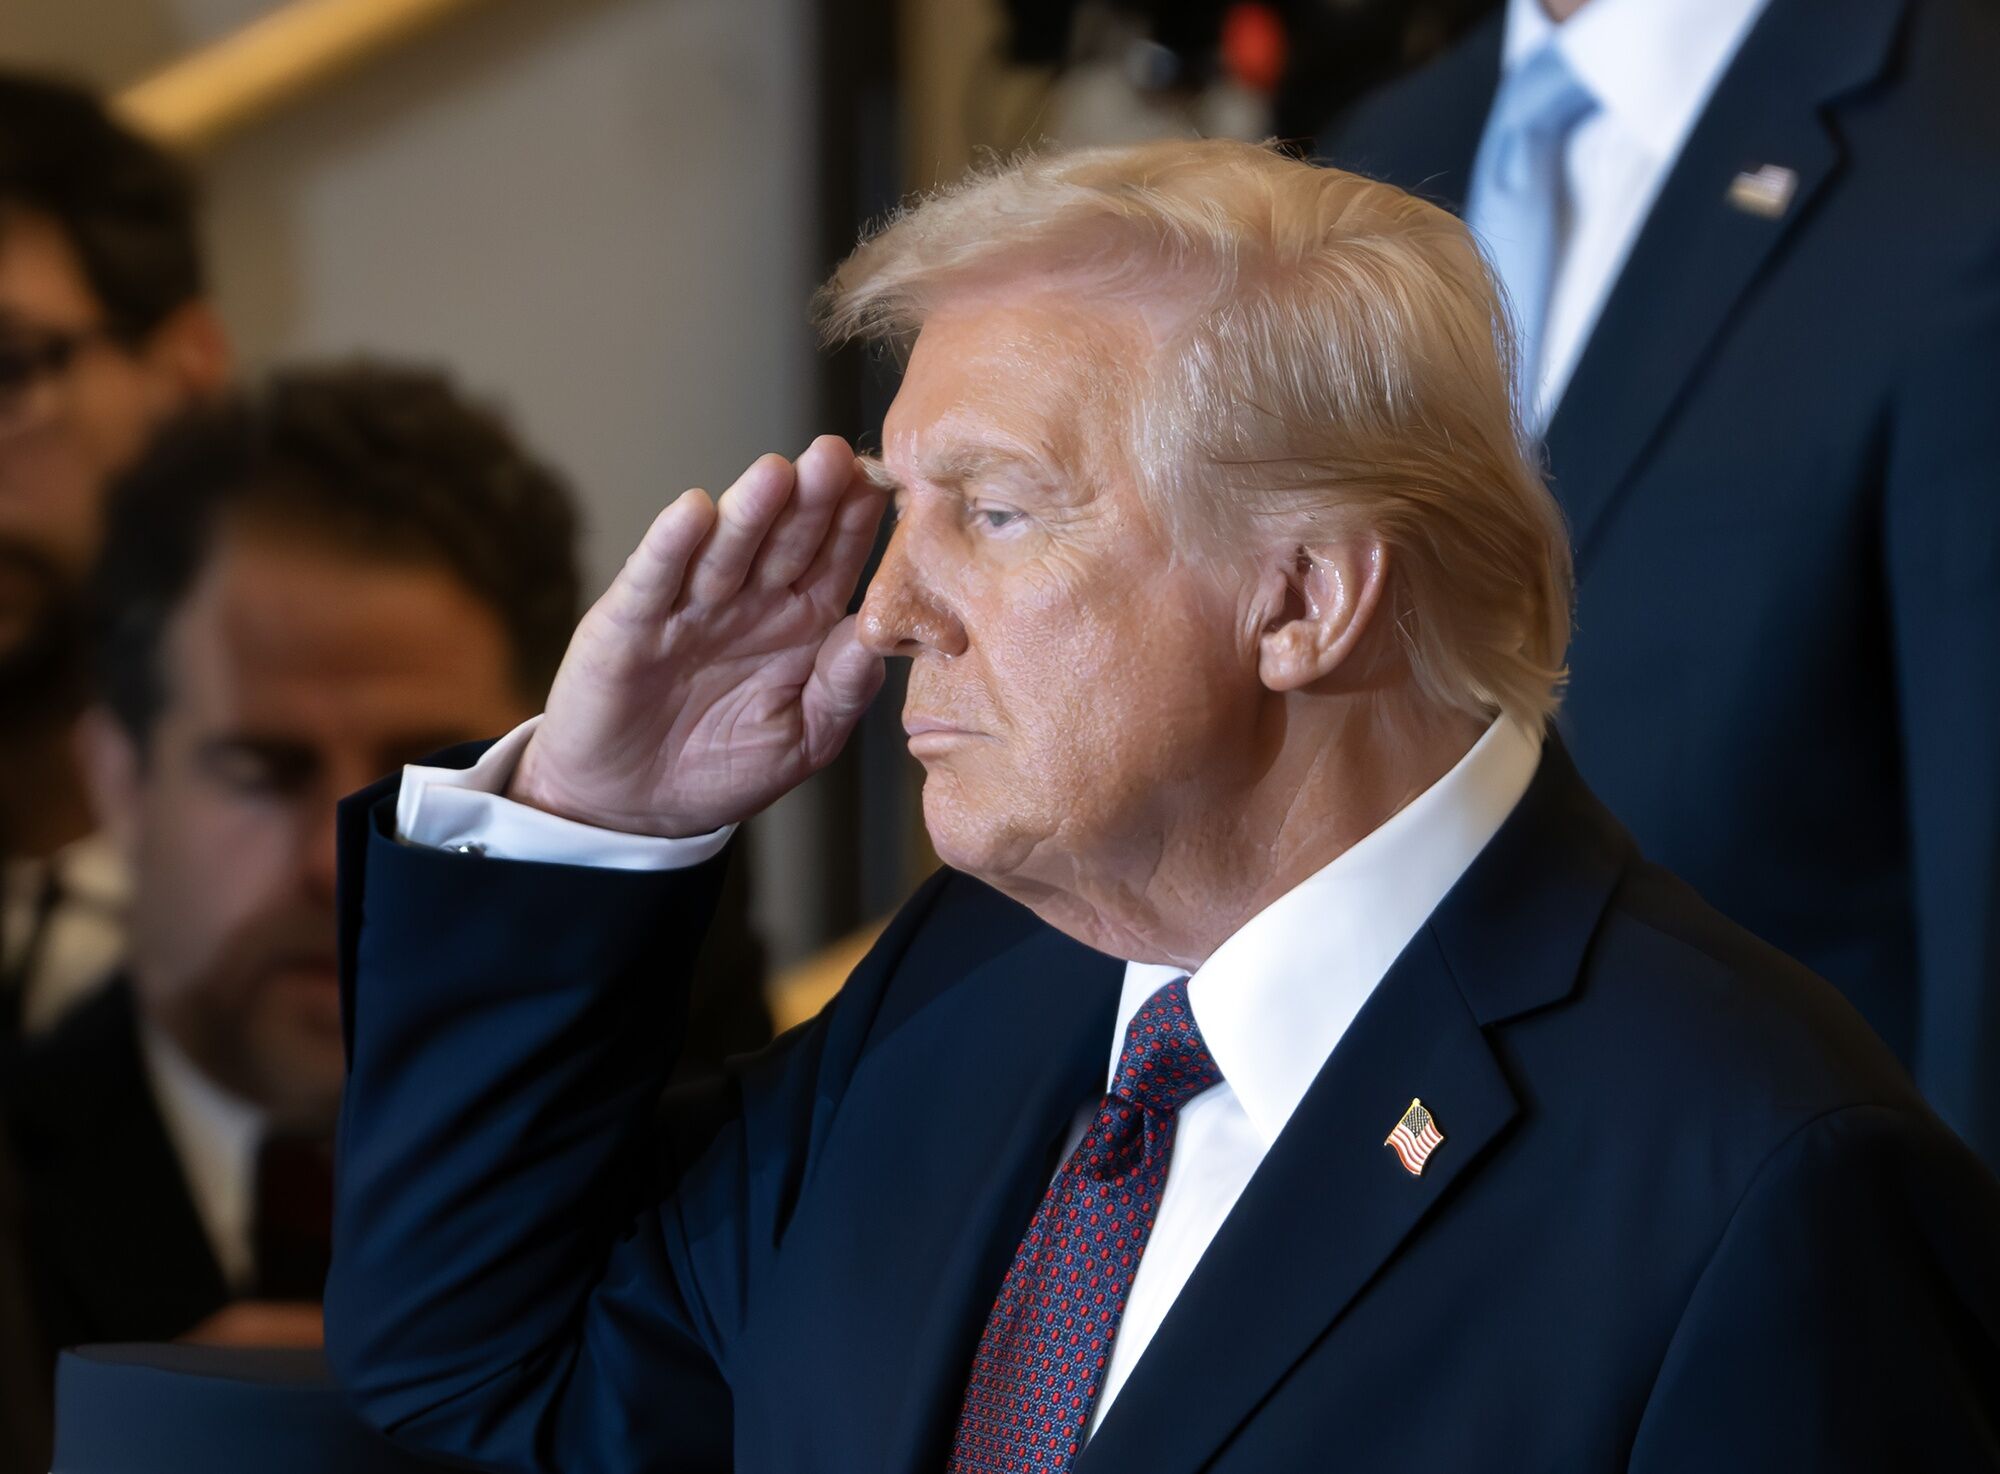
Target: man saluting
[1294, 1067]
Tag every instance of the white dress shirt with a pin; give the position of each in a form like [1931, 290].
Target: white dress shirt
[461, 809]
[216, 1135]
[1651, 65]
[1271, 1003]
[1278, 995]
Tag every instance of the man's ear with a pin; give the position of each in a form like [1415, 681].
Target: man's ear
[1332, 592]
[111, 764]
[192, 348]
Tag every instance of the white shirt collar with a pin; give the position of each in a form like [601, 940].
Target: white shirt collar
[1277, 996]
[215, 1134]
[1650, 64]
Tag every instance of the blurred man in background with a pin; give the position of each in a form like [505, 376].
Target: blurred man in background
[104, 334]
[1753, 248]
[298, 593]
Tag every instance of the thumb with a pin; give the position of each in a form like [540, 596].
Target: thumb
[846, 675]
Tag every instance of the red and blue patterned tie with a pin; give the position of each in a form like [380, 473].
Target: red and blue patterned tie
[1041, 1361]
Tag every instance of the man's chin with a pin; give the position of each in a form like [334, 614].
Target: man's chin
[299, 1069]
[984, 845]
[309, 995]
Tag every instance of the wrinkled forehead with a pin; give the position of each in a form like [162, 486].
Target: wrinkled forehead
[1044, 375]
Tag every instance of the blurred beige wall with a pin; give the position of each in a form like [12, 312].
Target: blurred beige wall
[600, 211]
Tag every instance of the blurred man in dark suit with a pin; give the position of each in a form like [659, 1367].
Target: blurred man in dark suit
[105, 332]
[1753, 247]
[298, 591]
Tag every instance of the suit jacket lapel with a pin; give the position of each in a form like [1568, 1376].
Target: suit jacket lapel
[1325, 1214]
[1697, 254]
[1047, 1012]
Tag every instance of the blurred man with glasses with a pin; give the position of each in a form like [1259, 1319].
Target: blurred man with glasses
[105, 333]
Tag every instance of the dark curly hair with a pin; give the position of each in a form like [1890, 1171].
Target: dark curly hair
[127, 208]
[385, 461]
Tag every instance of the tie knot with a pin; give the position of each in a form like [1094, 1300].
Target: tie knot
[1541, 96]
[1164, 1063]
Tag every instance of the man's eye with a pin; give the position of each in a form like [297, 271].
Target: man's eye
[256, 771]
[992, 519]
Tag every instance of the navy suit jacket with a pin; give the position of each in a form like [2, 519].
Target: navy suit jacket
[1688, 1212]
[1780, 459]
[116, 1247]
[109, 1237]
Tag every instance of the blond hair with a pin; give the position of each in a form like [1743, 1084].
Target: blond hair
[1337, 359]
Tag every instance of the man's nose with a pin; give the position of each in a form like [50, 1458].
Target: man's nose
[902, 614]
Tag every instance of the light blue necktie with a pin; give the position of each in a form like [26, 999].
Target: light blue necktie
[1518, 206]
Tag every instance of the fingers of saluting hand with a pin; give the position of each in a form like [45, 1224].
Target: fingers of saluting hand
[823, 474]
[744, 515]
[843, 550]
[810, 526]
[651, 580]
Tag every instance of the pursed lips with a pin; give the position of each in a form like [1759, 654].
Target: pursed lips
[929, 733]
[917, 724]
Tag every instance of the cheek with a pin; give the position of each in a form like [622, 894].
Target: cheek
[299, 1023]
[1125, 678]
[52, 491]
[1099, 725]
[113, 413]
[1046, 629]
[205, 865]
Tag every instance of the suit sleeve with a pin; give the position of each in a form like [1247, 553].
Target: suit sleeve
[524, 1276]
[1942, 524]
[1849, 1319]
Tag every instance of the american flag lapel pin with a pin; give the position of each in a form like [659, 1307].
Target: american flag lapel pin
[1416, 1136]
[1765, 191]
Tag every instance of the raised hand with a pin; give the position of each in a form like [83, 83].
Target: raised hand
[719, 670]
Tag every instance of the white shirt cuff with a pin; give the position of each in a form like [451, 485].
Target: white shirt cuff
[465, 809]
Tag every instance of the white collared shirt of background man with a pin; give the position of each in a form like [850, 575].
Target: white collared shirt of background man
[1652, 66]
[215, 1135]
[1271, 1003]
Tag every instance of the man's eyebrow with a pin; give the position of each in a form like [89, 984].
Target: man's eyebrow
[953, 464]
[878, 475]
[956, 464]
